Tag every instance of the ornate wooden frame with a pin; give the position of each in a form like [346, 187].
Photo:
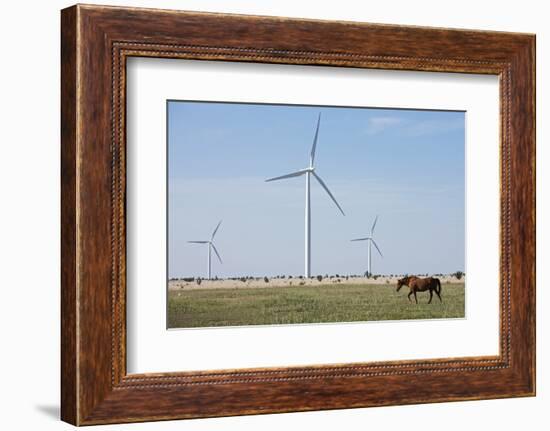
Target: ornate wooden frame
[95, 43]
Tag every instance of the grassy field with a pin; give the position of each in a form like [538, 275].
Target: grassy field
[307, 304]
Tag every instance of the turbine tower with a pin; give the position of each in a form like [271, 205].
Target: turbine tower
[370, 240]
[211, 247]
[308, 172]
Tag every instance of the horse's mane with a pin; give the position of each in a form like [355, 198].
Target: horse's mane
[408, 278]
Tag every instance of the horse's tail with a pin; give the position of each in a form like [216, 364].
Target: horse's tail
[438, 288]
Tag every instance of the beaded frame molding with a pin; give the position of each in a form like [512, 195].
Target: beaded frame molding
[95, 43]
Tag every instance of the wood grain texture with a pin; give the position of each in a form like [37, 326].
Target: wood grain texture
[96, 41]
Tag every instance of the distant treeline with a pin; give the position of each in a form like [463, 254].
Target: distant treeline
[458, 275]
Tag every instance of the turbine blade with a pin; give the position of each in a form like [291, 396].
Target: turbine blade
[198, 242]
[216, 251]
[328, 191]
[374, 242]
[215, 230]
[293, 174]
[359, 239]
[312, 155]
[373, 225]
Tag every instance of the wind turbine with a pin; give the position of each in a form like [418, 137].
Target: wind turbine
[211, 247]
[370, 240]
[308, 172]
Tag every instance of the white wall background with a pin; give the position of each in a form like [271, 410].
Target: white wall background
[29, 214]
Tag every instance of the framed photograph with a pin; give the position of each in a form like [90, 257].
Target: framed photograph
[265, 215]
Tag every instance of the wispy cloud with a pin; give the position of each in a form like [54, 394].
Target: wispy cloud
[378, 125]
[433, 127]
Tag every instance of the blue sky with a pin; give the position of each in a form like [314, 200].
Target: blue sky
[407, 166]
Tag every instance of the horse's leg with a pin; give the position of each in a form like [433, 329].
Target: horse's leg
[409, 295]
[431, 296]
[415, 298]
[438, 295]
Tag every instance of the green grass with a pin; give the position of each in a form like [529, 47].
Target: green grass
[307, 304]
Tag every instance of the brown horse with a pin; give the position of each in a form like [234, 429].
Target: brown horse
[416, 284]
